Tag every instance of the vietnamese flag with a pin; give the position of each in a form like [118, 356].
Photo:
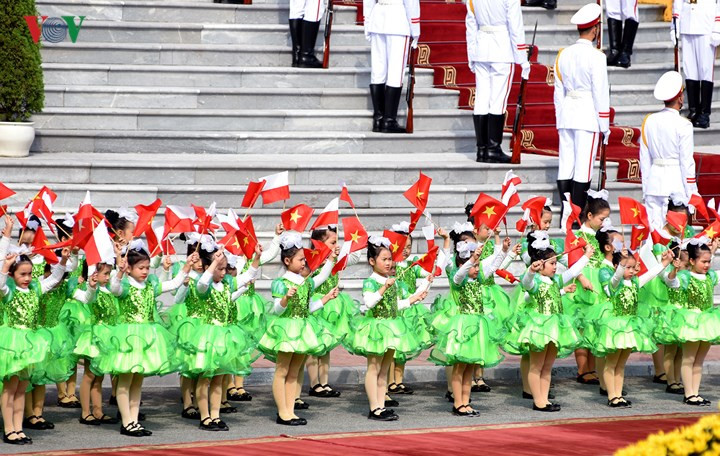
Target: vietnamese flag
[414, 219]
[419, 192]
[659, 237]
[632, 212]
[42, 204]
[5, 192]
[535, 206]
[146, 214]
[254, 189]
[711, 231]
[329, 216]
[40, 246]
[638, 236]
[506, 275]
[204, 218]
[488, 211]
[570, 213]
[698, 203]
[246, 237]
[677, 220]
[99, 248]
[231, 242]
[276, 188]
[345, 196]
[355, 233]
[297, 218]
[179, 219]
[397, 244]
[315, 257]
[573, 248]
[427, 261]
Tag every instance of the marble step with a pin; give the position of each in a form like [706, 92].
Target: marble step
[239, 98]
[213, 76]
[652, 52]
[562, 14]
[634, 114]
[642, 94]
[642, 73]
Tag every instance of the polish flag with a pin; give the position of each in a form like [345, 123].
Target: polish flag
[203, 218]
[277, 187]
[179, 219]
[345, 196]
[329, 216]
[522, 223]
[342, 258]
[646, 258]
[40, 246]
[659, 237]
[698, 203]
[510, 197]
[99, 248]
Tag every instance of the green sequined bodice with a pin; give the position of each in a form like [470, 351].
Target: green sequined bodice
[51, 303]
[625, 299]
[299, 305]
[387, 306]
[250, 285]
[23, 310]
[597, 259]
[192, 300]
[138, 305]
[700, 294]
[487, 250]
[104, 308]
[407, 276]
[470, 298]
[38, 270]
[548, 299]
[327, 285]
[217, 309]
[677, 296]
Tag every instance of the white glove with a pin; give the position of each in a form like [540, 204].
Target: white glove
[525, 70]
[606, 137]
[673, 37]
[715, 39]
[414, 43]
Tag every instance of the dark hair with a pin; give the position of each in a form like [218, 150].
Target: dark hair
[373, 251]
[206, 258]
[547, 209]
[98, 267]
[64, 231]
[617, 258]
[289, 253]
[457, 237]
[532, 251]
[320, 234]
[682, 208]
[136, 256]
[603, 238]
[543, 254]
[694, 251]
[32, 218]
[20, 260]
[468, 209]
[116, 222]
[593, 206]
[460, 261]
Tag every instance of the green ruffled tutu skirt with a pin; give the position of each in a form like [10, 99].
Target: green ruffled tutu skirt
[88, 343]
[207, 350]
[309, 336]
[576, 305]
[60, 362]
[139, 348]
[375, 336]
[415, 317]
[692, 325]
[21, 350]
[533, 331]
[497, 303]
[613, 333]
[470, 339]
[173, 317]
[76, 316]
[442, 310]
[338, 313]
[652, 298]
[253, 313]
[663, 331]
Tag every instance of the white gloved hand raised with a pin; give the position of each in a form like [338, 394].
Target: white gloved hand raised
[606, 137]
[673, 37]
[414, 43]
[525, 70]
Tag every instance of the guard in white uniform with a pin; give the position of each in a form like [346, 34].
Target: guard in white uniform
[391, 26]
[304, 21]
[699, 27]
[666, 151]
[621, 39]
[582, 105]
[495, 42]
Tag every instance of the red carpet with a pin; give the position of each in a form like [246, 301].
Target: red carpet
[584, 436]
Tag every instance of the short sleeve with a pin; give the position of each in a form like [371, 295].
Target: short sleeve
[684, 279]
[278, 288]
[403, 292]
[154, 282]
[370, 286]
[713, 277]
[604, 276]
[536, 283]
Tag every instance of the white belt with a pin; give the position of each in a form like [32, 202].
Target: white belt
[662, 162]
[493, 28]
[579, 94]
[390, 2]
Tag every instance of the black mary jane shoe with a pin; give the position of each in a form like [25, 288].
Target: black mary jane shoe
[458, 412]
[401, 388]
[660, 380]
[227, 408]
[37, 425]
[480, 387]
[625, 402]
[584, 380]
[556, 407]
[46, 423]
[243, 397]
[384, 415]
[290, 422]
[392, 403]
[25, 438]
[144, 431]
[301, 405]
[613, 404]
[191, 413]
[221, 425]
[449, 396]
[687, 400]
[547, 408]
[678, 390]
[704, 401]
[318, 391]
[105, 419]
[90, 420]
[237, 396]
[69, 404]
[330, 391]
[112, 400]
[8, 440]
[130, 430]
[208, 425]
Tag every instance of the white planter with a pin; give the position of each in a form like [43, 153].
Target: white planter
[16, 138]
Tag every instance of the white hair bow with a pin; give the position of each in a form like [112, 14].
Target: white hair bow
[462, 227]
[128, 214]
[291, 239]
[607, 225]
[402, 227]
[379, 241]
[541, 244]
[231, 260]
[19, 250]
[137, 245]
[540, 234]
[32, 225]
[69, 220]
[208, 244]
[602, 194]
[465, 249]
[702, 240]
[192, 238]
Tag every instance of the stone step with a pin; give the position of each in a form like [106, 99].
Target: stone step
[563, 13]
[213, 76]
[193, 54]
[217, 98]
[641, 94]
[267, 120]
[634, 114]
[652, 52]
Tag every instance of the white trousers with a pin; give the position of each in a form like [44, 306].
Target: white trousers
[657, 210]
[492, 87]
[622, 9]
[388, 58]
[698, 57]
[576, 157]
[310, 10]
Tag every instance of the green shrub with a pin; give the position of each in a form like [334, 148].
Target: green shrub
[22, 91]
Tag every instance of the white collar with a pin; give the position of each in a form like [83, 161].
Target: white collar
[22, 290]
[627, 282]
[586, 229]
[544, 278]
[104, 289]
[402, 263]
[219, 286]
[135, 283]
[378, 278]
[608, 262]
[698, 275]
[297, 279]
[193, 274]
[584, 41]
[672, 110]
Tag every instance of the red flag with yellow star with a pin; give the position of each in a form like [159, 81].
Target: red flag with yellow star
[316, 256]
[297, 218]
[677, 220]
[414, 218]
[231, 242]
[419, 192]
[397, 244]
[427, 261]
[40, 246]
[506, 275]
[146, 214]
[639, 234]
[573, 247]
[246, 237]
[355, 233]
[488, 211]
[711, 231]
[699, 204]
[632, 212]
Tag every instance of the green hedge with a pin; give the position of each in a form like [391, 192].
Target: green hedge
[22, 91]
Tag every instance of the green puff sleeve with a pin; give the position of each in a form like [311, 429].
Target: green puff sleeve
[370, 286]
[713, 277]
[403, 292]
[605, 274]
[278, 288]
[684, 279]
[154, 282]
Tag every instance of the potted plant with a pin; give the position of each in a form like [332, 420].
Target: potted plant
[22, 91]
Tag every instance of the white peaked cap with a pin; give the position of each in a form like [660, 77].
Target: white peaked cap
[587, 16]
[668, 86]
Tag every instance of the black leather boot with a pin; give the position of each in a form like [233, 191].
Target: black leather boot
[481, 137]
[550, 4]
[494, 139]
[538, 3]
[579, 194]
[628, 41]
[614, 38]
[564, 186]
[307, 46]
[377, 95]
[392, 100]
[706, 93]
[693, 98]
[295, 39]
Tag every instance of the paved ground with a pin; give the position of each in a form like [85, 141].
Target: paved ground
[425, 409]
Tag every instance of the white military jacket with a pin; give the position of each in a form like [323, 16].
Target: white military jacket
[697, 17]
[494, 32]
[392, 17]
[582, 96]
[666, 154]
